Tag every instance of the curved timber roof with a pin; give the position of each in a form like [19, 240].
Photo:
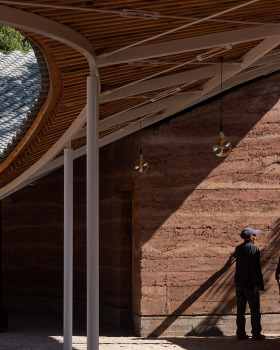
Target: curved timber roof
[154, 58]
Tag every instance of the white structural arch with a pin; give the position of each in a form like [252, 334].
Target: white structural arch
[259, 63]
[31, 22]
[158, 109]
[260, 60]
[37, 24]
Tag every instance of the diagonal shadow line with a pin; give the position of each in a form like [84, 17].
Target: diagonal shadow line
[208, 325]
[192, 298]
[204, 325]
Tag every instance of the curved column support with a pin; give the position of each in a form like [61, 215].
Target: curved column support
[52, 29]
[47, 157]
[41, 25]
[38, 24]
[68, 248]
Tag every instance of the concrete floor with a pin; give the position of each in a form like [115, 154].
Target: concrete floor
[38, 332]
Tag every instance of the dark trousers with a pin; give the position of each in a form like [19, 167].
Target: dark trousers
[245, 295]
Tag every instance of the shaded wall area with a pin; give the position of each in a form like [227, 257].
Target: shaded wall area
[192, 206]
[116, 224]
[32, 223]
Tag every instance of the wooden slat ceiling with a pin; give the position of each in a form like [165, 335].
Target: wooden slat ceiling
[105, 25]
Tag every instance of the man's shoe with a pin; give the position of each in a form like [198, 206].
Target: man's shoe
[242, 337]
[258, 337]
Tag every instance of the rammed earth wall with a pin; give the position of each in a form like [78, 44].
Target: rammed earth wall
[192, 206]
[166, 237]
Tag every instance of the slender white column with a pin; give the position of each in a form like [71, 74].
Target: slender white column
[92, 213]
[68, 247]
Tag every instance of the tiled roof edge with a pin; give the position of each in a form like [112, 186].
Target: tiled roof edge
[32, 113]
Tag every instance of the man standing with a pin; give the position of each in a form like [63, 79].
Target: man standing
[277, 275]
[249, 281]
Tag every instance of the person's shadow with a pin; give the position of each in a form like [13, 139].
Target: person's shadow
[209, 325]
[222, 343]
[190, 300]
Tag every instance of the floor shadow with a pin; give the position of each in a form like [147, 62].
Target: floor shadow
[32, 331]
[222, 343]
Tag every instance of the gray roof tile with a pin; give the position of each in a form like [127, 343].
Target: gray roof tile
[20, 82]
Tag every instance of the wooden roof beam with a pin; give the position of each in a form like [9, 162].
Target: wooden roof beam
[122, 132]
[202, 42]
[269, 58]
[126, 12]
[160, 83]
[248, 60]
[178, 79]
[186, 25]
[183, 100]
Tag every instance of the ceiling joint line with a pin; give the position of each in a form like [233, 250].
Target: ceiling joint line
[247, 60]
[180, 28]
[215, 52]
[121, 12]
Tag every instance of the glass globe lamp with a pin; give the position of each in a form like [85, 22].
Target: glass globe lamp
[141, 166]
[221, 146]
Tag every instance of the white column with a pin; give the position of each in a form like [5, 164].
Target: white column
[92, 213]
[68, 247]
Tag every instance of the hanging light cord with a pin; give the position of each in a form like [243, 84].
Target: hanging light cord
[221, 125]
[140, 139]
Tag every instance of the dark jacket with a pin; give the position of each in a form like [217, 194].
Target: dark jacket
[248, 266]
[277, 273]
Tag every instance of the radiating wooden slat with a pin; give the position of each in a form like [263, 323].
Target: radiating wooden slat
[109, 32]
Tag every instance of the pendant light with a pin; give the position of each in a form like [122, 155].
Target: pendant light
[141, 166]
[221, 146]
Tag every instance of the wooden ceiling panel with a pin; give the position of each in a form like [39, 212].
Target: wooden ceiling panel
[106, 25]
